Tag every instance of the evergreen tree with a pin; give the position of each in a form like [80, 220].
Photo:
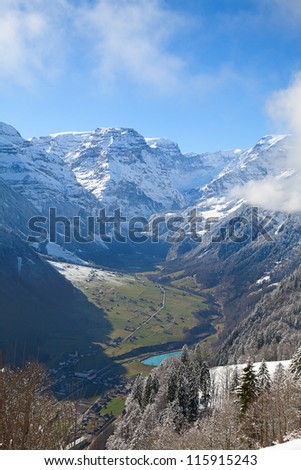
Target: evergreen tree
[198, 355]
[149, 420]
[279, 377]
[137, 390]
[205, 384]
[126, 427]
[173, 417]
[185, 355]
[150, 390]
[147, 391]
[235, 380]
[295, 367]
[263, 377]
[172, 386]
[182, 391]
[155, 388]
[193, 391]
[247, 391]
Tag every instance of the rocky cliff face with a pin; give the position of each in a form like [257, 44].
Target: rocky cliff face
[15, 210]
[140, 176]
[41, 177]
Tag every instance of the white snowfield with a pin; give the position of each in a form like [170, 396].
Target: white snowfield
[220, 372]
[55, 250]
[75, 273]
[291, 445]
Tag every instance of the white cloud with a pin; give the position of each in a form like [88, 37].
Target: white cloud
[285, 14]
[130, 39]
[122, 39]
[115, 41]
[284, 191]
[288, 7]
[30, 32]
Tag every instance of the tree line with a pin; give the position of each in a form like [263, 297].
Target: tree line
[183, 405]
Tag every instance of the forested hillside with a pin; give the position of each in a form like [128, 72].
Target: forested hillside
[180, 405]
[273, 328]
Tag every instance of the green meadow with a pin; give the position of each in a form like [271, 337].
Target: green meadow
[129, 304]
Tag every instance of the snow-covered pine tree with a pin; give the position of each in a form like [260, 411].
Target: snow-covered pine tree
[263, 377]
[150, 391]
[247, 391]
[173, 417]
[137, 390]
[235, 380]
[155, 388]
[148, 422]
[147, 391]
[172, 386]
[125, 429]
[198, 355]
[193, 391]
[182, 391]
[295, 366]
[205, 384]
[279, 377]
[185, 355]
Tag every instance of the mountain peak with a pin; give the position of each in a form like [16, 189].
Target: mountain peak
[9, 132]
[118, 136]
[271, 139]
[163, 144]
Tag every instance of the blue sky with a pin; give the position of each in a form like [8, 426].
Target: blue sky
[199, 72]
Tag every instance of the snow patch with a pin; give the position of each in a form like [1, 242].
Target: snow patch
[295, 444]
[55, 250]
[220, 371]
[78, 273]
[263, 279]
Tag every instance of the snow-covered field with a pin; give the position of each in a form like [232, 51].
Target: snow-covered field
[220, 372]
[76, 274]
[57, 251]
[291, 445]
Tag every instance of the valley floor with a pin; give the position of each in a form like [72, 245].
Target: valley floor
[146, 316]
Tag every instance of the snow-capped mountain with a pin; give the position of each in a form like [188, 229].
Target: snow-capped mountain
[141, 176]
[80, 172]
[41, 177]
[266, 158]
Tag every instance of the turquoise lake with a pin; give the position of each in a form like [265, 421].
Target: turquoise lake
[157, 360]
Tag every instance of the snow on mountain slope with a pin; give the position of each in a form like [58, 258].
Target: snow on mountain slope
[77, 273]
[191, 171]
[79, 172]
[62, 144]
[141, 176]
[220, 372]
[120, 168]
[15, 210]
[42, 177]
[266, 158]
